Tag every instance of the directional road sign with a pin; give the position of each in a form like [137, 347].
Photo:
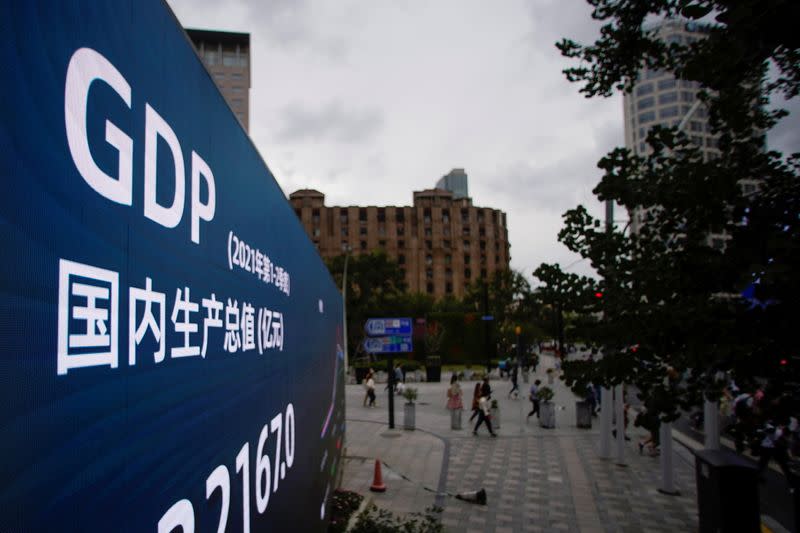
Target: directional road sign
[388, 326]
[388, 344]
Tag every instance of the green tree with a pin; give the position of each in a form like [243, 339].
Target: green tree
[690, 308]
[565, 293]
[375, 287]
[509, 302]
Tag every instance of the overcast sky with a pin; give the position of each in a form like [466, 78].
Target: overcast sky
[368, 101]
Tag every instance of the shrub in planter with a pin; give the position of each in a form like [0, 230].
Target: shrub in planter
[375, 520]
[343, 504]
[409, 409]
[547, 409]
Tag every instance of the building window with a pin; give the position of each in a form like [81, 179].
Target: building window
[448, 288]
[362, 230]
[467, 259]
[344, 231]
[316, 232]
[426, 216]
[429, 274]
[401, 243]
[696, 126]
[668, 112]
[665, 84]
[465, 216]
[687, 96]
[467, 273]
[445, 216]
[448, 274]
[482, 232]
[428, 232]
[465, 231]
[647, 116]
[345, 246]
[428, 245]
[363, 245]
[429, 288]
[297, 212]
[382, 244]
[381, 214]
[483, 273]
[343, 216]
[646, 103]
[401, 259]
[446, 244]
[429, 260]
[362, 215]
[668, 98]
[448, 259]
[466, 244]
[401, 230]
[400, 216]
[644, 88]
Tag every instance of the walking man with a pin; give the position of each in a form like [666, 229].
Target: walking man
[534, 398]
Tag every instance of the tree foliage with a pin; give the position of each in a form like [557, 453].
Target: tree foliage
[685, 306]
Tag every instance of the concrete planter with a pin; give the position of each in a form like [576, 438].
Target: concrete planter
[409, 416]
[495, 413]
[455, 418]
[547, 415]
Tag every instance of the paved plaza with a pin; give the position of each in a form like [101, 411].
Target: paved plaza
[536, 479]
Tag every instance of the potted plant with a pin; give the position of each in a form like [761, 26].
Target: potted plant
[547, 409]
[494, 410]
[409, 409]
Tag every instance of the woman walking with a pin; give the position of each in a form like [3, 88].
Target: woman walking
[476, 396]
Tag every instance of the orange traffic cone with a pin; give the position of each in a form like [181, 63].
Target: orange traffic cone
[377, 482]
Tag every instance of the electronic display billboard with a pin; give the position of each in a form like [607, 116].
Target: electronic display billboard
[170, 340]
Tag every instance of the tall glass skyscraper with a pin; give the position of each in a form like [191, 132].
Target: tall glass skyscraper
[455, 181]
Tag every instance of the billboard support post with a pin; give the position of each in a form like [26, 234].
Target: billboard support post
[391, 391]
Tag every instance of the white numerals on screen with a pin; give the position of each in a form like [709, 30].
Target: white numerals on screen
[243, 466]
[262, 472]
[276, 425]
[222, 479]
[180, 517]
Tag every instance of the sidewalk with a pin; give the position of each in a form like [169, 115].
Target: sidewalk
[536, 479]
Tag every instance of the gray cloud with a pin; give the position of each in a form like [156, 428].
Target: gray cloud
[333, 122]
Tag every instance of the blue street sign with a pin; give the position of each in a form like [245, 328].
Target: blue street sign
[389, 344]
[486, 318]
[388, 326]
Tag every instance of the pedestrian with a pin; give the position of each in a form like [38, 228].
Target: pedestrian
[454, 394]
[484, 416]
[534, 362]
[367, 378]
[774, 445]
[398, 378]
[476, 396]
[534, 398]
[514, 377]
[652, 423]
[371, 390]
[591, 399]
[486, 389]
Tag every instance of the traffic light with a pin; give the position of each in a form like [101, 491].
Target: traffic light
[598, 295]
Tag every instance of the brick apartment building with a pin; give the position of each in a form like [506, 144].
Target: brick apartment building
[442, 243]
